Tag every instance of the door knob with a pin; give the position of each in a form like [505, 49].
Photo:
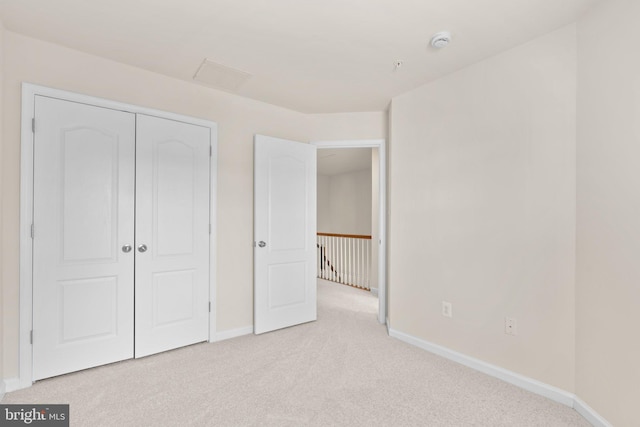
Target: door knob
[126, 249]
[142, 248]
[262, 244]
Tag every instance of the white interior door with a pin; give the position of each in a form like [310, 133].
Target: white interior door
[83, 218]
[285, 233]
[172, 234]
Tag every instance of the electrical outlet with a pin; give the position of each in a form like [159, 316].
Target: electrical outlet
[510, 326]
[447, 309]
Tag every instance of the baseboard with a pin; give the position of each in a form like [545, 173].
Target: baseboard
[374, 291]
[589, 414]
[12, 384]
[529, 384]
[233, 333]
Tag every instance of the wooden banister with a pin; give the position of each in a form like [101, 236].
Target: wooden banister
[349, 236]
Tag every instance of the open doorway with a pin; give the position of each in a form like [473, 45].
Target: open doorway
[346, 218]
[351, 216]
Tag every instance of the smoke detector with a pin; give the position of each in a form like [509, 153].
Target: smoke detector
[441, 39]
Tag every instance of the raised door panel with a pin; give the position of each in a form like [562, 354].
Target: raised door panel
[288, 214]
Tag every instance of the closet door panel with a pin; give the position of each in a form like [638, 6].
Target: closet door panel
[83, 215]
[172, 234]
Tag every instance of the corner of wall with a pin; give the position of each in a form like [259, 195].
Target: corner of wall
[607, 235]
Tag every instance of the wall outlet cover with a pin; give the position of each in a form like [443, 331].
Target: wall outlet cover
[510, 326]
[447, 309]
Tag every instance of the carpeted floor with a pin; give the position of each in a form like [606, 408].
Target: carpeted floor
[342, 370]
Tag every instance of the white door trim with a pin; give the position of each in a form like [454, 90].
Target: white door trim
[380, 144]
[29, 91]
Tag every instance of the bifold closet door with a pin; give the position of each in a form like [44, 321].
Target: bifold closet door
[172, 235]
[83, 290]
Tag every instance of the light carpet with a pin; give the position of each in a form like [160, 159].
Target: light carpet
[342, 370]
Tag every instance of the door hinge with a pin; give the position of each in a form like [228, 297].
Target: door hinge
[32, 232]
[33, 125]
[209, 228]
[209, 306]
[31, 336]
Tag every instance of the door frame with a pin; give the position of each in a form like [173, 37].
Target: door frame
[29, 92]
[380, 144]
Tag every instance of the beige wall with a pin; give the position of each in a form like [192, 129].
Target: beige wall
[2, 343]
[324, 201]
[482, 200]
[608, 211]
[345, 126]
[349, 203]
[30, 60]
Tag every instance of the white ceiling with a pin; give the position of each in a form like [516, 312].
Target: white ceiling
[336, 161]
[310, 56]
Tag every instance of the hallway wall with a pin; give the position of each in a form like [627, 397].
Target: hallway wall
[344, 203]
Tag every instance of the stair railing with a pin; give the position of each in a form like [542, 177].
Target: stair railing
[345, 258]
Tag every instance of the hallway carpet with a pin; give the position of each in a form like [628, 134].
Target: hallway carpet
[342, 370]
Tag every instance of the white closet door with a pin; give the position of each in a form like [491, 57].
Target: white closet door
[83, 217]
[172, 235]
